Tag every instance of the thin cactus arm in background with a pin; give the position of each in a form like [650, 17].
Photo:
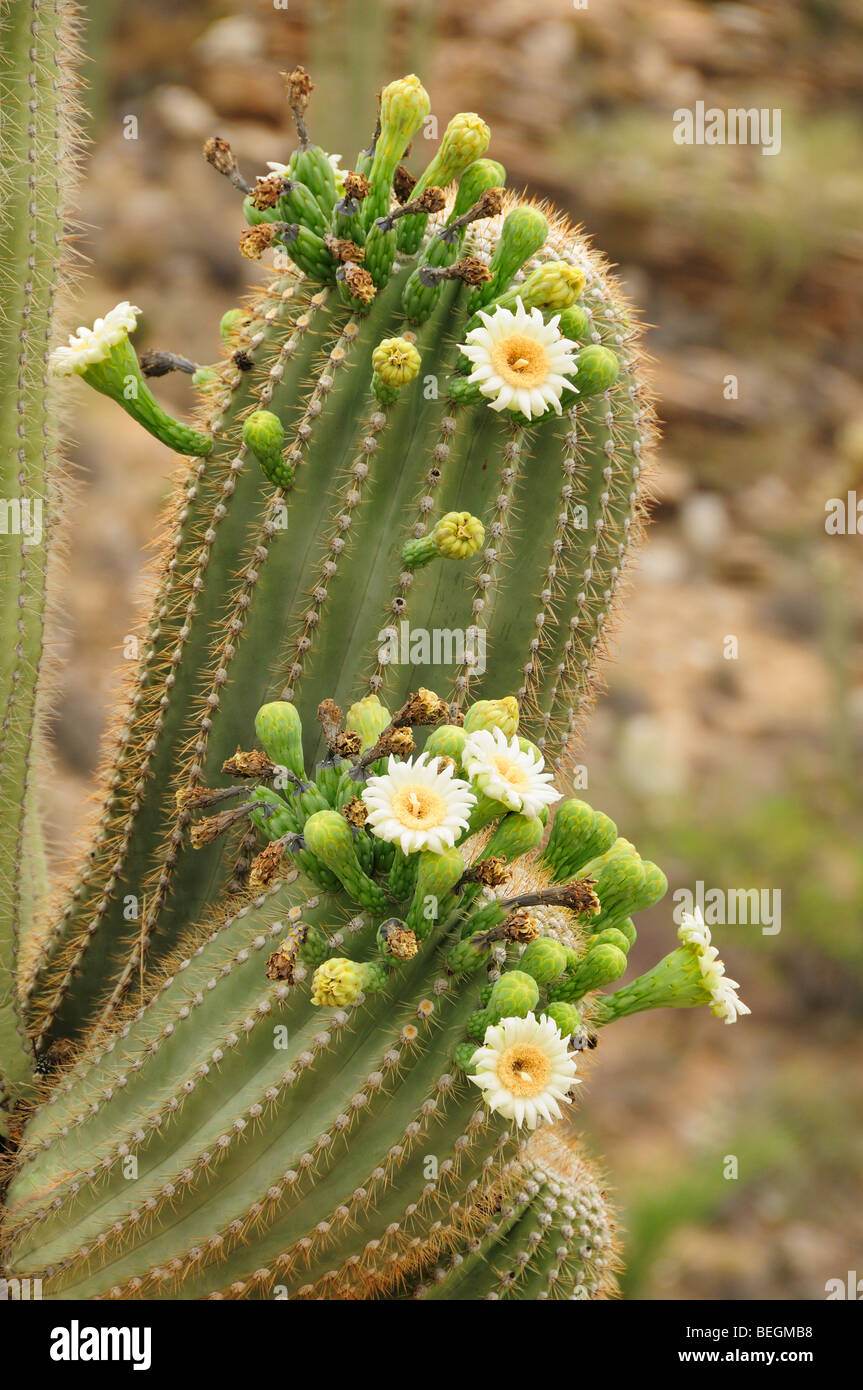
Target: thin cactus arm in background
[304, 592]
[303, 1000]
[38, 53]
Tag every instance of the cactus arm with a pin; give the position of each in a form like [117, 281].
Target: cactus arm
[418, 454]
[37, 157]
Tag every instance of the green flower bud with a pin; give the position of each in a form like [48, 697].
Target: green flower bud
[468, 955]
[553, 287]
[463, 1055]
[264, 436]
[457, 536]
[544, 959]
[465, 139]
[446, 741]
[578, 834]
[575, 323]
[279, 728]
[368, 718]
[514, 995]
[437, 876]
[231, 324]
[493, 714]
[566, 1016]
[476, 180]
[523, 234]
[329, 838]
[514, 836]
[598, 370]
[611, 936]
[404, 106]
[480, 1021]
[602, 965]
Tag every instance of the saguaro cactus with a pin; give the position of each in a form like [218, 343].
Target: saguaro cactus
[319, 988]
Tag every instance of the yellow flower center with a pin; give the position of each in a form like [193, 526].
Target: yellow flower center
[418, 807]
[523, 1070]
[511, 772]
[520, 360]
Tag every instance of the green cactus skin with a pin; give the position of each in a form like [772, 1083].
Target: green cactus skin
[276, 1138]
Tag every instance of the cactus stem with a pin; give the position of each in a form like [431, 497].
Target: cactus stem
[493, 557]
[398, 603]
[336, 545]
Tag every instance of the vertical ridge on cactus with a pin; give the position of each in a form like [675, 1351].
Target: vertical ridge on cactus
[290, 1028]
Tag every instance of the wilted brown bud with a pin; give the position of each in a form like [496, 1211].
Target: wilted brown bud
[422, 708]
[489, 872]
[356, 186]
[266, 865]
[283, 961]
[359, 282]
[342, 249]
[299, 86]
[472, 270]
[196, 798]
[254, 241]
[430, 200]
[521, 927]
[489, 203]
[267, 191]
[579, 895]
[404, 184]
[399, 742]
[355, 811]
[469, 269]
[219, 153]
[206, 831]
[399, 940]
[251, 764]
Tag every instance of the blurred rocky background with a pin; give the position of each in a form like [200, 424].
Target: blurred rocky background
[728, 745]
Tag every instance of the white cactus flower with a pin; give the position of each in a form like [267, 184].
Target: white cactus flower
[524, 1070]
[520, 361]
[418, 804]
[501, 769]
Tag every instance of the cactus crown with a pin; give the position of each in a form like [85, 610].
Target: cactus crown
[369, 966]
